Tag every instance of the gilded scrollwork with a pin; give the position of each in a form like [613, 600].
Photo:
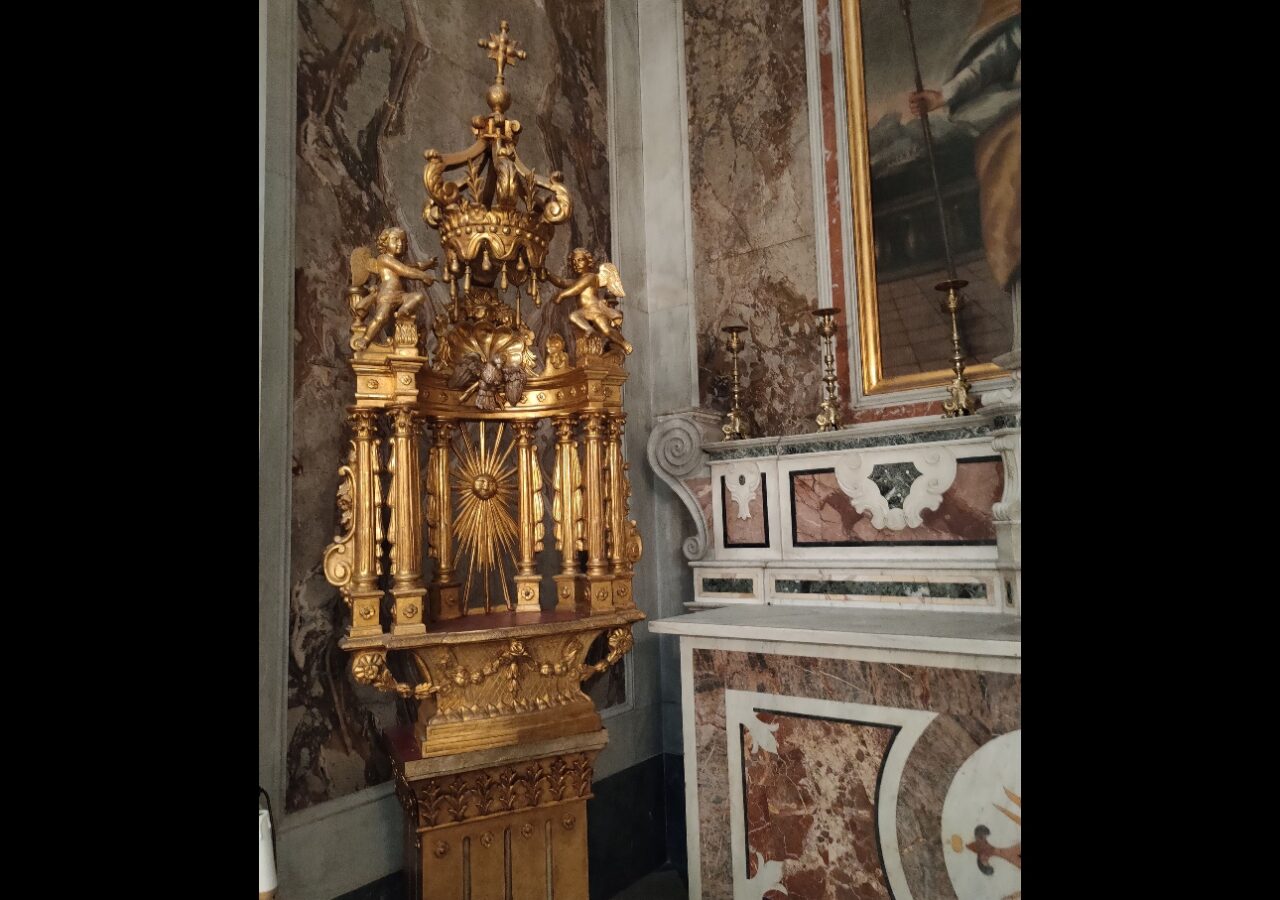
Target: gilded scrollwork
[620, 642]
[370, 668]
[633, 547]
[338, 566]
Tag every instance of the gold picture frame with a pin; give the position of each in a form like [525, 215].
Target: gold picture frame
[872, 361]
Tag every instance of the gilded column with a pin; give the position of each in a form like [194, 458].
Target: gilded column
[363, 590]
[527, 578]
[446, 592]
[616, 499]
[406, 524]
[599, 586]
[566, 513]
[619, 493]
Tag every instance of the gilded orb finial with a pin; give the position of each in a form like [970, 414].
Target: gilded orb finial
[501, 49]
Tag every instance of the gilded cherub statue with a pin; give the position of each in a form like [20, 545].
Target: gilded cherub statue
[389, 292]
[593, 310]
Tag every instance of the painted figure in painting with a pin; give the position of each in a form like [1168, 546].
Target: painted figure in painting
[984, 94]
[592, 308]
[390, 294]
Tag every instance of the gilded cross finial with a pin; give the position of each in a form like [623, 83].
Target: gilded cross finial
[501, 49]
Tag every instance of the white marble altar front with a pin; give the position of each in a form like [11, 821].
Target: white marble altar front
[859, 752]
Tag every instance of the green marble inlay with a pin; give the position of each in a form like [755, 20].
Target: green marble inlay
[894, 481]
[827, 444]
[1005, 422]
[727, 585]
[952, 590]
[716, 451]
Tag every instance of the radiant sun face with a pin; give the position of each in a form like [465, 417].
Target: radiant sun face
[486, 527]
[484, 485]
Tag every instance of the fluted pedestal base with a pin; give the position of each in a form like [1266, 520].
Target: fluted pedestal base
[498, 823]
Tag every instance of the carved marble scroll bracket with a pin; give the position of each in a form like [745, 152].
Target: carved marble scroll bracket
[675, 452]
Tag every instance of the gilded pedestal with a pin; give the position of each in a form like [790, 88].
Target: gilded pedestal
[509, 823]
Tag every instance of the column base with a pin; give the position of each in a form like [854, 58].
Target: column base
[446, 601]
[410, 612]
[528, 593]
[569, 588]
[595, 595]
[364, 613]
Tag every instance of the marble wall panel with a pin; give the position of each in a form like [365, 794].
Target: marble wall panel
[824, 514]
[973, 708]
[701, 490]
[378, 83]
[754, 255]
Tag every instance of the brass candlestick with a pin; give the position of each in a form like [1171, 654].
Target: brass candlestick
[828, 417]
[960, 403]
[734, 428]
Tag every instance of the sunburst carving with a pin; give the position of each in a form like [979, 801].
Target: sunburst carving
[484, 481]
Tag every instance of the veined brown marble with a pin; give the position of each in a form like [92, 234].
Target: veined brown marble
[973, 707]
[811, 805]
[754, 254]
[701, 490]
[824, 513]
[896, 411]
[378, 83]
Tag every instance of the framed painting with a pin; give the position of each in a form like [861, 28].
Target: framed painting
[906, 220]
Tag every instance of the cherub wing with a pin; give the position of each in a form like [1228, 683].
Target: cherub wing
[611, 280]
[361, 266]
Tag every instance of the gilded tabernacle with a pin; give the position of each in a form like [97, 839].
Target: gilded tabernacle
[441, 563]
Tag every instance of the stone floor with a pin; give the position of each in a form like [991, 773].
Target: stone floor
[664, 884]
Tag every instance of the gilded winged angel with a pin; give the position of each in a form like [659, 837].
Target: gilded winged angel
[593, 309]
[390, 294]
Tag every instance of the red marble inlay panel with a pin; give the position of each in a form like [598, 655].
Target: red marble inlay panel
[824, 514]
[897, 411]
[812, 805]
[701, 490]
[973, 707]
